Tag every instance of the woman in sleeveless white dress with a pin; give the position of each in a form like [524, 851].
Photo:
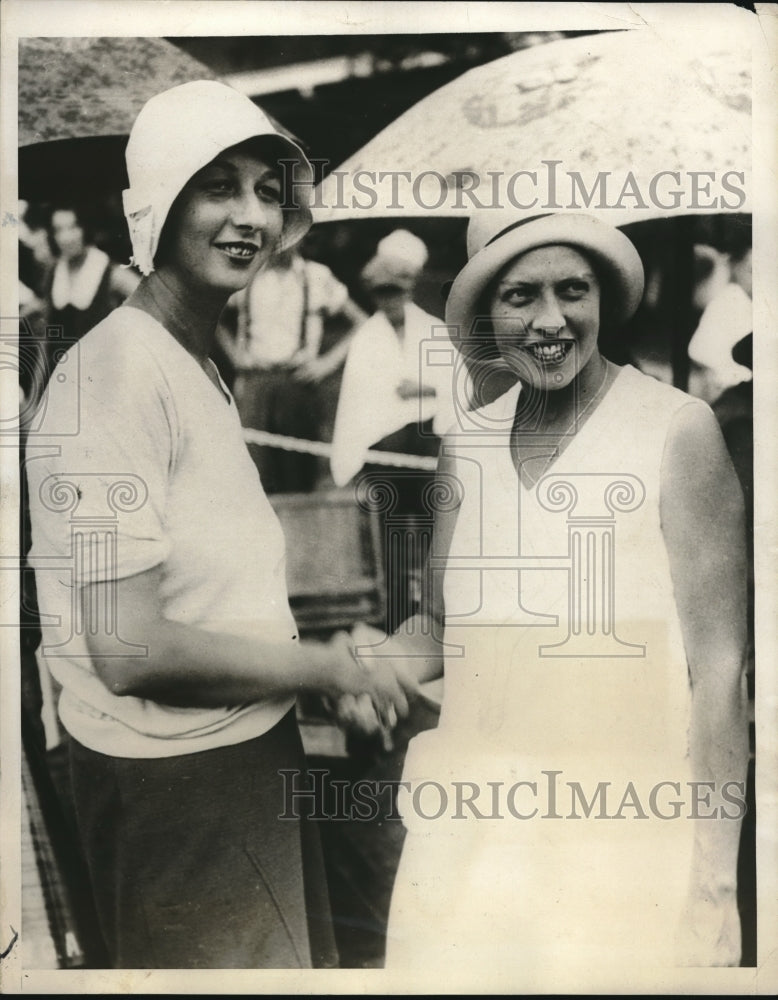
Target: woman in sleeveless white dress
[592, 603]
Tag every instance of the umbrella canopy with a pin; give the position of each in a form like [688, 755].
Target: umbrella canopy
[600, 106]
[78, 98]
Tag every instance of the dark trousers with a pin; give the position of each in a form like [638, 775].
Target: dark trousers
[401, 498]
[272, 400]
[191, 865]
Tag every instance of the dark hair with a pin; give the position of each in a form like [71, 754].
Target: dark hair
[728, 233]
[735, 235]
[82, 220]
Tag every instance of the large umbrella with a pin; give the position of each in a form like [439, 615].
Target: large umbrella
[78, 98]
[621, 102]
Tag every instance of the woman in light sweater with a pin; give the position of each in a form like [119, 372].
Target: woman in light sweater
[158, 554]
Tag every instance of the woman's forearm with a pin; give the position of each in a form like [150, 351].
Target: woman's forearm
[702, 515]
[718, 743]
[185, 665]
[703, 523]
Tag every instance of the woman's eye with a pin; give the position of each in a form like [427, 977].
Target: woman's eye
[575, 289]
[218, 185]
[517, 296]
[270, 192]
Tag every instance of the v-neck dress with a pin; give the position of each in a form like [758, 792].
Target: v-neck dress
[566, 693]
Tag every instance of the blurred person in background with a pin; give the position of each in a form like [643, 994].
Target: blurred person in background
[35, 253]
[67, 285]
[727, 317]
[276, 356]
[734, 410]
[393, 399]
[83, 285]
[35, 262]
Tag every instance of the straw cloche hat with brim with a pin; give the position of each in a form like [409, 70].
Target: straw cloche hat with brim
[495, 237]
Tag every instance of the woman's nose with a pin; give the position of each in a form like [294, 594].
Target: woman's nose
[250, 212]
[549, 316]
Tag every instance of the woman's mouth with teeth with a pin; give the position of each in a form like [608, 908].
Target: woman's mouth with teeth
[238, 251]
[550, 354]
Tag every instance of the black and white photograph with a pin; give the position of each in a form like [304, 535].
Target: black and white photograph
[388, 498]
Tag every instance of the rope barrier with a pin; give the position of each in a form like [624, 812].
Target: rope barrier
[324, 450]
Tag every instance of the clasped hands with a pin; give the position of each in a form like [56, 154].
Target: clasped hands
[380, 687]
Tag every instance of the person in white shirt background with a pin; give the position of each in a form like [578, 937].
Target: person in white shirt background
[394, 397]
[71, 284]
[276, 351]
[84, 284]
[726, 318]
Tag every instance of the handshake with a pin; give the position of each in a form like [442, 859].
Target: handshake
[373, 692]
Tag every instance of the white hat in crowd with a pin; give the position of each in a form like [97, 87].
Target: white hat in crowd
[398, 261]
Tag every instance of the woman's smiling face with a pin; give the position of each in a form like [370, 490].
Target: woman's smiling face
[226, 222]
[545, 311]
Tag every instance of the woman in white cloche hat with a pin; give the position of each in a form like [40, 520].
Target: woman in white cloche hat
[173, 640]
